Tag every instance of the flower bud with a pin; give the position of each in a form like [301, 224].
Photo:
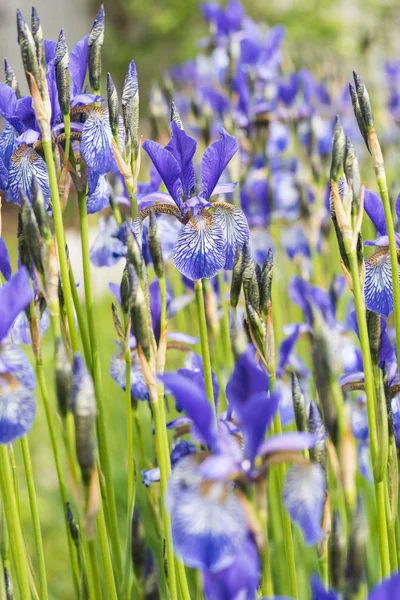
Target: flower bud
[23, 250]
[95, 43]
[316, 426]
[237, 277]
[352, 171]
[356, 554]
[10, 78]
[83, 405]
[299, 404]
[338, 552]
[117, 322]
[28, 52]
[134, 254]
[130, 107]
[72, 525]
[124, 290]
[154, 242]
[338, 148]
[359, 117]
[267, 273]
[35, 243]
[175, 116]
[39, 208]
[113, 105]
[364, 102]
[139, 313]
[62, 74]
[37, 34]
[374, 334]
[8, 585]
[250, 280]
[63, 377]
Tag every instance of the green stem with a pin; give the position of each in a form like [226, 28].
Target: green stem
[127, 579]
[93, 571]
[67, 131]
[96, 370]
[59, 231]
[205, 350]
[14, 524]
[81, 321]
[393, 257]
[35, 517]
[225, 328]
[371, 410]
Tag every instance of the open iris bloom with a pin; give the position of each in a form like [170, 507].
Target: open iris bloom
[17, 378]
[208, 240]
[378, 287]
[386, 590]
[208, 513]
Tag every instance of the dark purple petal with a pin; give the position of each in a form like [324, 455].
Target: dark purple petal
[8, 106]
[304, 498]
[78, 60]
[293, 441]
[180, 450]
[374, 208]
[235, 228]
[5, 264]
[248, 378]
[215, 159]
[254, 416]
[15, 295]
[378, 283]
[183, 148]
[319, 592]
[50, 50]
[286, 348]
[387, 589]
[194, 402]
[3, 176]
[168, 169]
[199, 249]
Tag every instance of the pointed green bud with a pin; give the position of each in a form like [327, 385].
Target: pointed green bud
[359, 117]
[250, 279]
[316, 426]
[299, 405]
[237, 277]
[95, 43]
[83, 406]
[364, 102]
[63, 377]
[352, 171]
[34, 240]
[130, 107]
[139, 313]
[23, 250]
[28, 52]
[338, 147]
[11, 79]
[134, 254]
[113, 105]
[267, 273]
[117, 321]
[354, 572]
[62, 73]
[256, 328]
[154, 243]
[39, 208]
[338, 552]
[374, 334]
[125, 290]
[72, 524]
[175, 116]
[37, 34]
[8, 585]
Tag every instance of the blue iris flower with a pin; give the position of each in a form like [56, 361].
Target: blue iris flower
[207, 241]
[386, 590]
[17, 378]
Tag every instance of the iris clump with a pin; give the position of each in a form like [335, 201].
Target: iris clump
[229, 430]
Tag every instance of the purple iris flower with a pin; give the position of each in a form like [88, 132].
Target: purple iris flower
[223, 22]
[207, 242]
[378, 287]
[17, 378]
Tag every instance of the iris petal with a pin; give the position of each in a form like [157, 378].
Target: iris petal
[215, 159]
[378, 283]
[96, 144]
[200, 248]
[107, 248]
[5, 265]
[168, 169]
[24, 164]
[139, 390]
[17, 409]
[13, 361]
[304, 497]
[15, 295]
[183, 147]
[235, 228]
[208, 523]
[98, 193]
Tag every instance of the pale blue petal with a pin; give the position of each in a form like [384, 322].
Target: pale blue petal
[199, 250]
[17, 409]
[98, 193]
[139, 390]
[107, 248]
[304, 498]
[96, 144]
[14, 362]
[378, 283]
[235, 228]
[26, 163]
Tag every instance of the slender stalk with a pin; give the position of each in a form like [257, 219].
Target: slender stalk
[67, 131]
[371, 410]
[14, 524]
[381, 179]
[35, 517]
[96, 370]
[205, 350]
[59, 231]
[225, 329]
[81, 321]
[127, 579]
[92, 571]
